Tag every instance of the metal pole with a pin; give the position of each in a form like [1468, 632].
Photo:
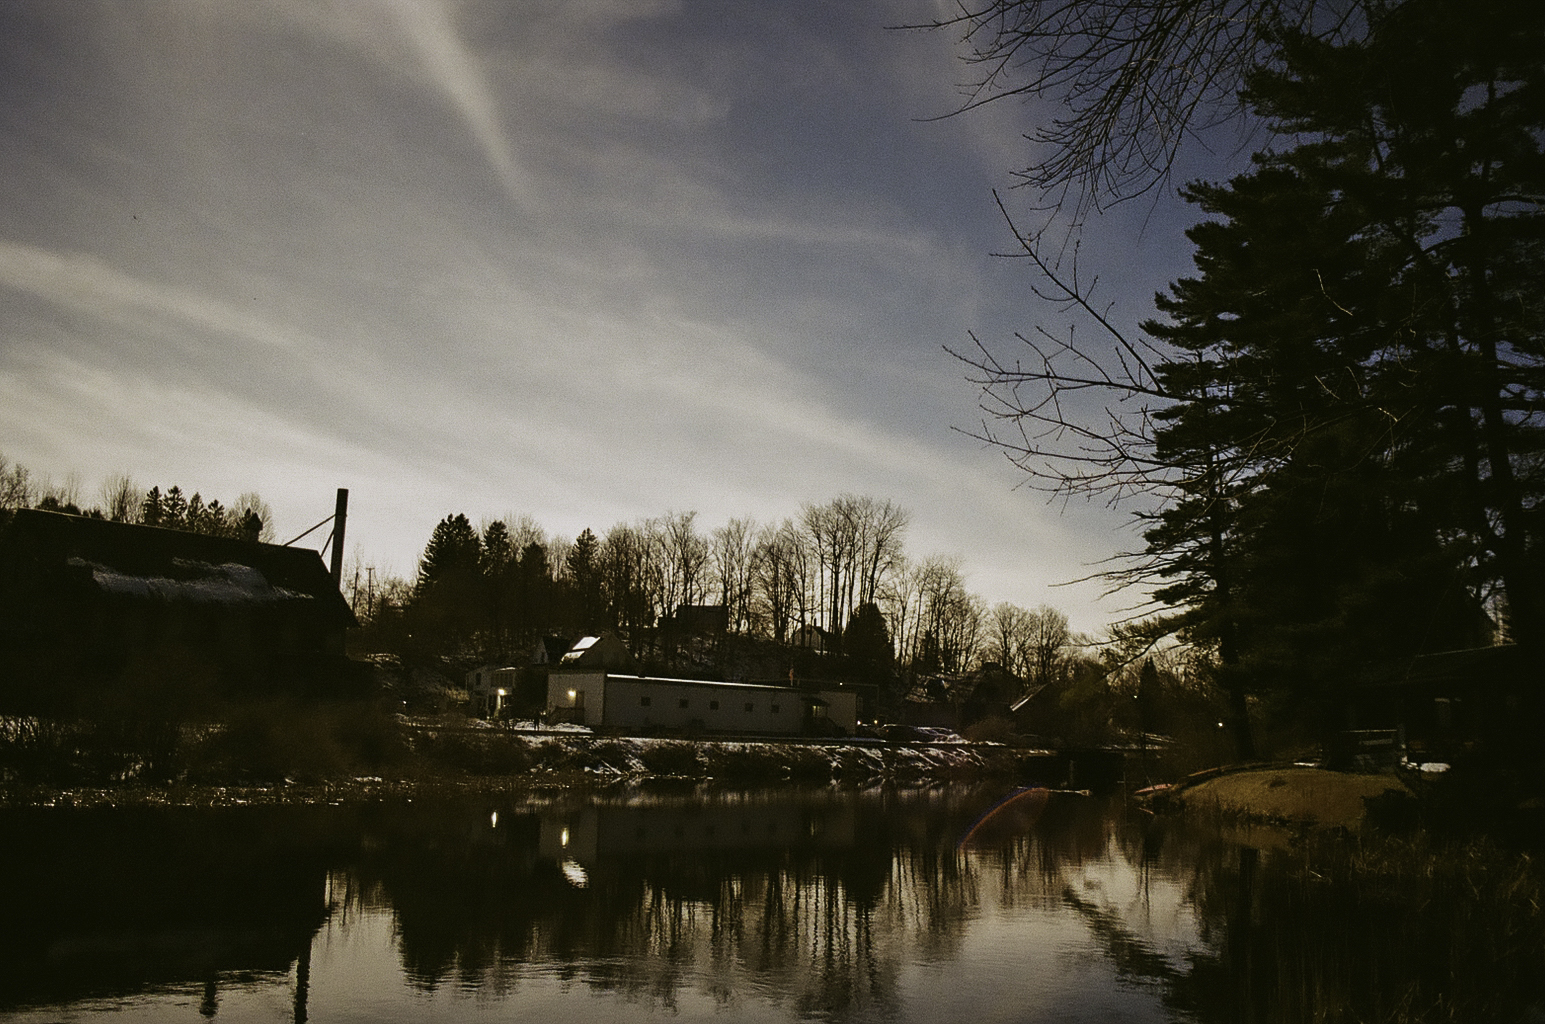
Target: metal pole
[339, 515]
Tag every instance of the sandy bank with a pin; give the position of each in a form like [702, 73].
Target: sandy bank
[1297, 795]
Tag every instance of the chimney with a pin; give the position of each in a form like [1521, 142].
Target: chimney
[340, 514]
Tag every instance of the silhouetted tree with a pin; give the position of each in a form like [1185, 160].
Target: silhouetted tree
[1129, 82]
[448, 596]
[582, 571]
[866, 645]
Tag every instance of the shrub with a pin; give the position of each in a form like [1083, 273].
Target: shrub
[992, 730]
[681, 760]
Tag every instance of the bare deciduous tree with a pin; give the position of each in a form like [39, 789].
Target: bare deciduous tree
[15, 485]
[120, 498]
[1129, 81]
[734, 551]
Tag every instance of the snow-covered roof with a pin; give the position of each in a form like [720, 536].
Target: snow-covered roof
[204, 584]
[716, 683]
[580, 647]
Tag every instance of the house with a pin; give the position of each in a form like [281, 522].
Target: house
[834, 711]
[1479, 704]
[489, 687]
[609, 700]
[1030, 713]
[88, 602]
[699, 620]
[593, 652]
[955, 702]
[812, 638]
[495, 686]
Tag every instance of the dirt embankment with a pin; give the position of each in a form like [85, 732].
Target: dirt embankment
[1295, 795]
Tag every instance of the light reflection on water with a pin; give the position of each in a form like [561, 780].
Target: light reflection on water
[765, 906]
[768, 906]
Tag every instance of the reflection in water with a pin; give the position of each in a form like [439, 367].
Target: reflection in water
[107, 905]
[774, 905]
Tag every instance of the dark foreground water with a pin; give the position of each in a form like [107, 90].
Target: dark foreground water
[764, 906]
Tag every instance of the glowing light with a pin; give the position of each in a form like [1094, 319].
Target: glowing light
[563, 838]
[493, 820]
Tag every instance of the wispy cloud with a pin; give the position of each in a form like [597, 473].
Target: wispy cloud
[85, 284]
[457, 74]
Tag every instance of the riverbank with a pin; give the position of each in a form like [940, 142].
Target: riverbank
[1296, 795]
[53, 764]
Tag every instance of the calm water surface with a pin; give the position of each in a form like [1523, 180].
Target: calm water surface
[762, 906]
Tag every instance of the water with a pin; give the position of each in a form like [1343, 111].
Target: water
[763, 906]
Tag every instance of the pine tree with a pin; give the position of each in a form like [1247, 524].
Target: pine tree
[582, 570]
[1433, 130]
[1356, 410]
[447, 602]
[150, 508]
[498, 566]
[174, 508]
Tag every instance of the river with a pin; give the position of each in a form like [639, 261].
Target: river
[963, 903]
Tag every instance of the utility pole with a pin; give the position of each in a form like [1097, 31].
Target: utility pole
[340, 514]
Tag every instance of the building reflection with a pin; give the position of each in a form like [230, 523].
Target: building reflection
[822, 903]
[109, 904]
[822, 897]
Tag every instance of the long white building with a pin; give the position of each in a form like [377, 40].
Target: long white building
[603, 699]
[587, 688]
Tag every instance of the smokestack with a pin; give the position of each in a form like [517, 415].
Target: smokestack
[340, 515]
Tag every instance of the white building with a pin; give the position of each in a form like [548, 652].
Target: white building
[490, 687]
[603, 699]
[597, 684]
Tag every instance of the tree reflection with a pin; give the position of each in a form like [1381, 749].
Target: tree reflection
[822, 904]
[815, 900]
[1334, 928]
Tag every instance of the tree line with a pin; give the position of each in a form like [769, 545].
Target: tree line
[121, 500]
[836, 579]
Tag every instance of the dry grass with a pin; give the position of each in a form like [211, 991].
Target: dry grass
[1302, 796]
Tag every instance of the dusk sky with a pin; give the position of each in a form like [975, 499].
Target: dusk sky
[589, 261]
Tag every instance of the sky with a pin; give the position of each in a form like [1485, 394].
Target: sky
[587, 261]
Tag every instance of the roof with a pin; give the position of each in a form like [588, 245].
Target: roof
[604, 651]
[1501, 664]
[149, 563]
[1024, 702]
[718, 684]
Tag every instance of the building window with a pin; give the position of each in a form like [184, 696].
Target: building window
[750, 706]
[682, 703]
[775, 709]
[643, 702]
[713, 705]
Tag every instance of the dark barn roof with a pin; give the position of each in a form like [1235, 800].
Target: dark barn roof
[149, 563]
[88, 603]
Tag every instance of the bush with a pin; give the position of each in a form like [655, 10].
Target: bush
[281, 738]
[273, 741]
[992, 730]
[475, 751]
[680, 760]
